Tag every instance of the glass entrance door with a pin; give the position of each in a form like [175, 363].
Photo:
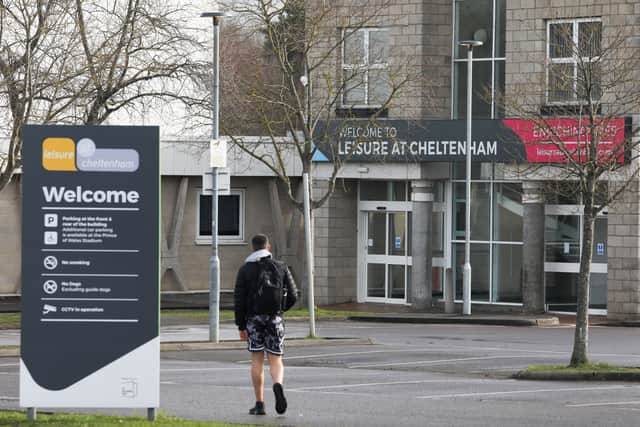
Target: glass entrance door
[388, 255]
[563, 243]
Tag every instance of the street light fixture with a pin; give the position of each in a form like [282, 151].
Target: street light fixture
[217, 161]
[466, 270]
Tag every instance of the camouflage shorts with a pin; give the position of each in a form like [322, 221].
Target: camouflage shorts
[266, 333]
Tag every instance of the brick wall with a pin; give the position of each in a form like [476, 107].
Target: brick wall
[420, 51]
[525, 73]
[11, 233]
[335, 244]
[623, 296]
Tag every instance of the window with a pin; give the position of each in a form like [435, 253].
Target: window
[230, 217]
[496, 235]
[481, 20]
[573, 52]
[365, 67]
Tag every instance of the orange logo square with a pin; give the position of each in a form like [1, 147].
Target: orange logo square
[59, 154]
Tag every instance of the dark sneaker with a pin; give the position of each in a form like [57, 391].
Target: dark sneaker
[258, 409]
[281, 402]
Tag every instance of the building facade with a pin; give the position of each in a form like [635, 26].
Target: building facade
[393, 231]
[409, 216]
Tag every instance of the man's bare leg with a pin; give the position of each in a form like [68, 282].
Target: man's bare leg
[276, 368]
[257, 374]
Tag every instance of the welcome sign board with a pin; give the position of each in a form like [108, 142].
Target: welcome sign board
[90, 267]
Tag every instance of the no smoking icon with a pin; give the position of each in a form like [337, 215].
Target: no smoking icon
[50, 262]
[50, 287]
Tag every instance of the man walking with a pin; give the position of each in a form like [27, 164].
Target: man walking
[264, 290]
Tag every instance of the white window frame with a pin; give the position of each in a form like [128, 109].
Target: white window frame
[575, 22]
[365, 66]
[229, 240]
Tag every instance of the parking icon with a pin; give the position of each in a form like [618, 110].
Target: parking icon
[51, 220]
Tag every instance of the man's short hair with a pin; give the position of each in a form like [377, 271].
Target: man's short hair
[259, 241]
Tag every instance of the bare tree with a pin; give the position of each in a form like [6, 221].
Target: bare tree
[278, 98]
[577, 104]
[78, 62]
[299, 84]
[135, 51]
[37, 65]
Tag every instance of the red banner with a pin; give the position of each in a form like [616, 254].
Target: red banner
[545, 142]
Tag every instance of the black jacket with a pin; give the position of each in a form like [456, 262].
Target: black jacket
[247, 276]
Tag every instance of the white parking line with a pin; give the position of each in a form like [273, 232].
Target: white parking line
[586, 405]
[523, 350]
[435, 362]
[201, 369]
[8, 398]
[9, 364]
[446, 380]
[358, 353]
[501, 368]
[504, 393]
[431, 349]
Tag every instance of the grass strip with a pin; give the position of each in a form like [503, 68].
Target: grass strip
[228, 314]
[19, 419]
[9, 320]
[12, 320]
[590, 367]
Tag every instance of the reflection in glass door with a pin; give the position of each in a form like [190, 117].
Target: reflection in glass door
[387, 259]
[563, 243]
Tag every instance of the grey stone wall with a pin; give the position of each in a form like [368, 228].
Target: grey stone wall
[10, 237]
[420, 51]
[526, 38]
[533, 248]
[335, 244]
[437, 30]
[623, 296]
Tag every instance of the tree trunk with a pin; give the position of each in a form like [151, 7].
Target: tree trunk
[581, 336]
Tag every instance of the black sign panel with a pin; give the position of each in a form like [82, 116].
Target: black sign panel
[90, 248]
[419, 141]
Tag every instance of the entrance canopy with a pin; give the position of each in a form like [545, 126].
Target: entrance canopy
[505, 140]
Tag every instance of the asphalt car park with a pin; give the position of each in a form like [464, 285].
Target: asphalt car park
[412, 375]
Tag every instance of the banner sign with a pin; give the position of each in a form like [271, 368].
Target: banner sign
[90, 267]
[507, 140]
[570, 134]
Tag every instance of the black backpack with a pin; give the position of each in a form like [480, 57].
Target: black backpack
[269, 289]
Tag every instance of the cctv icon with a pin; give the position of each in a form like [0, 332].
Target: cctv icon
[46, 309]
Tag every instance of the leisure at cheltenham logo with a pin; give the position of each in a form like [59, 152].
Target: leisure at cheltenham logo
[63, 154]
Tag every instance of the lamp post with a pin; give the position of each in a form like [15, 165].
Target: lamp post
[466, 270]
[306, 184]
[217, 160]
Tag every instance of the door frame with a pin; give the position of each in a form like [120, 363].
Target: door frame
[364, 208]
